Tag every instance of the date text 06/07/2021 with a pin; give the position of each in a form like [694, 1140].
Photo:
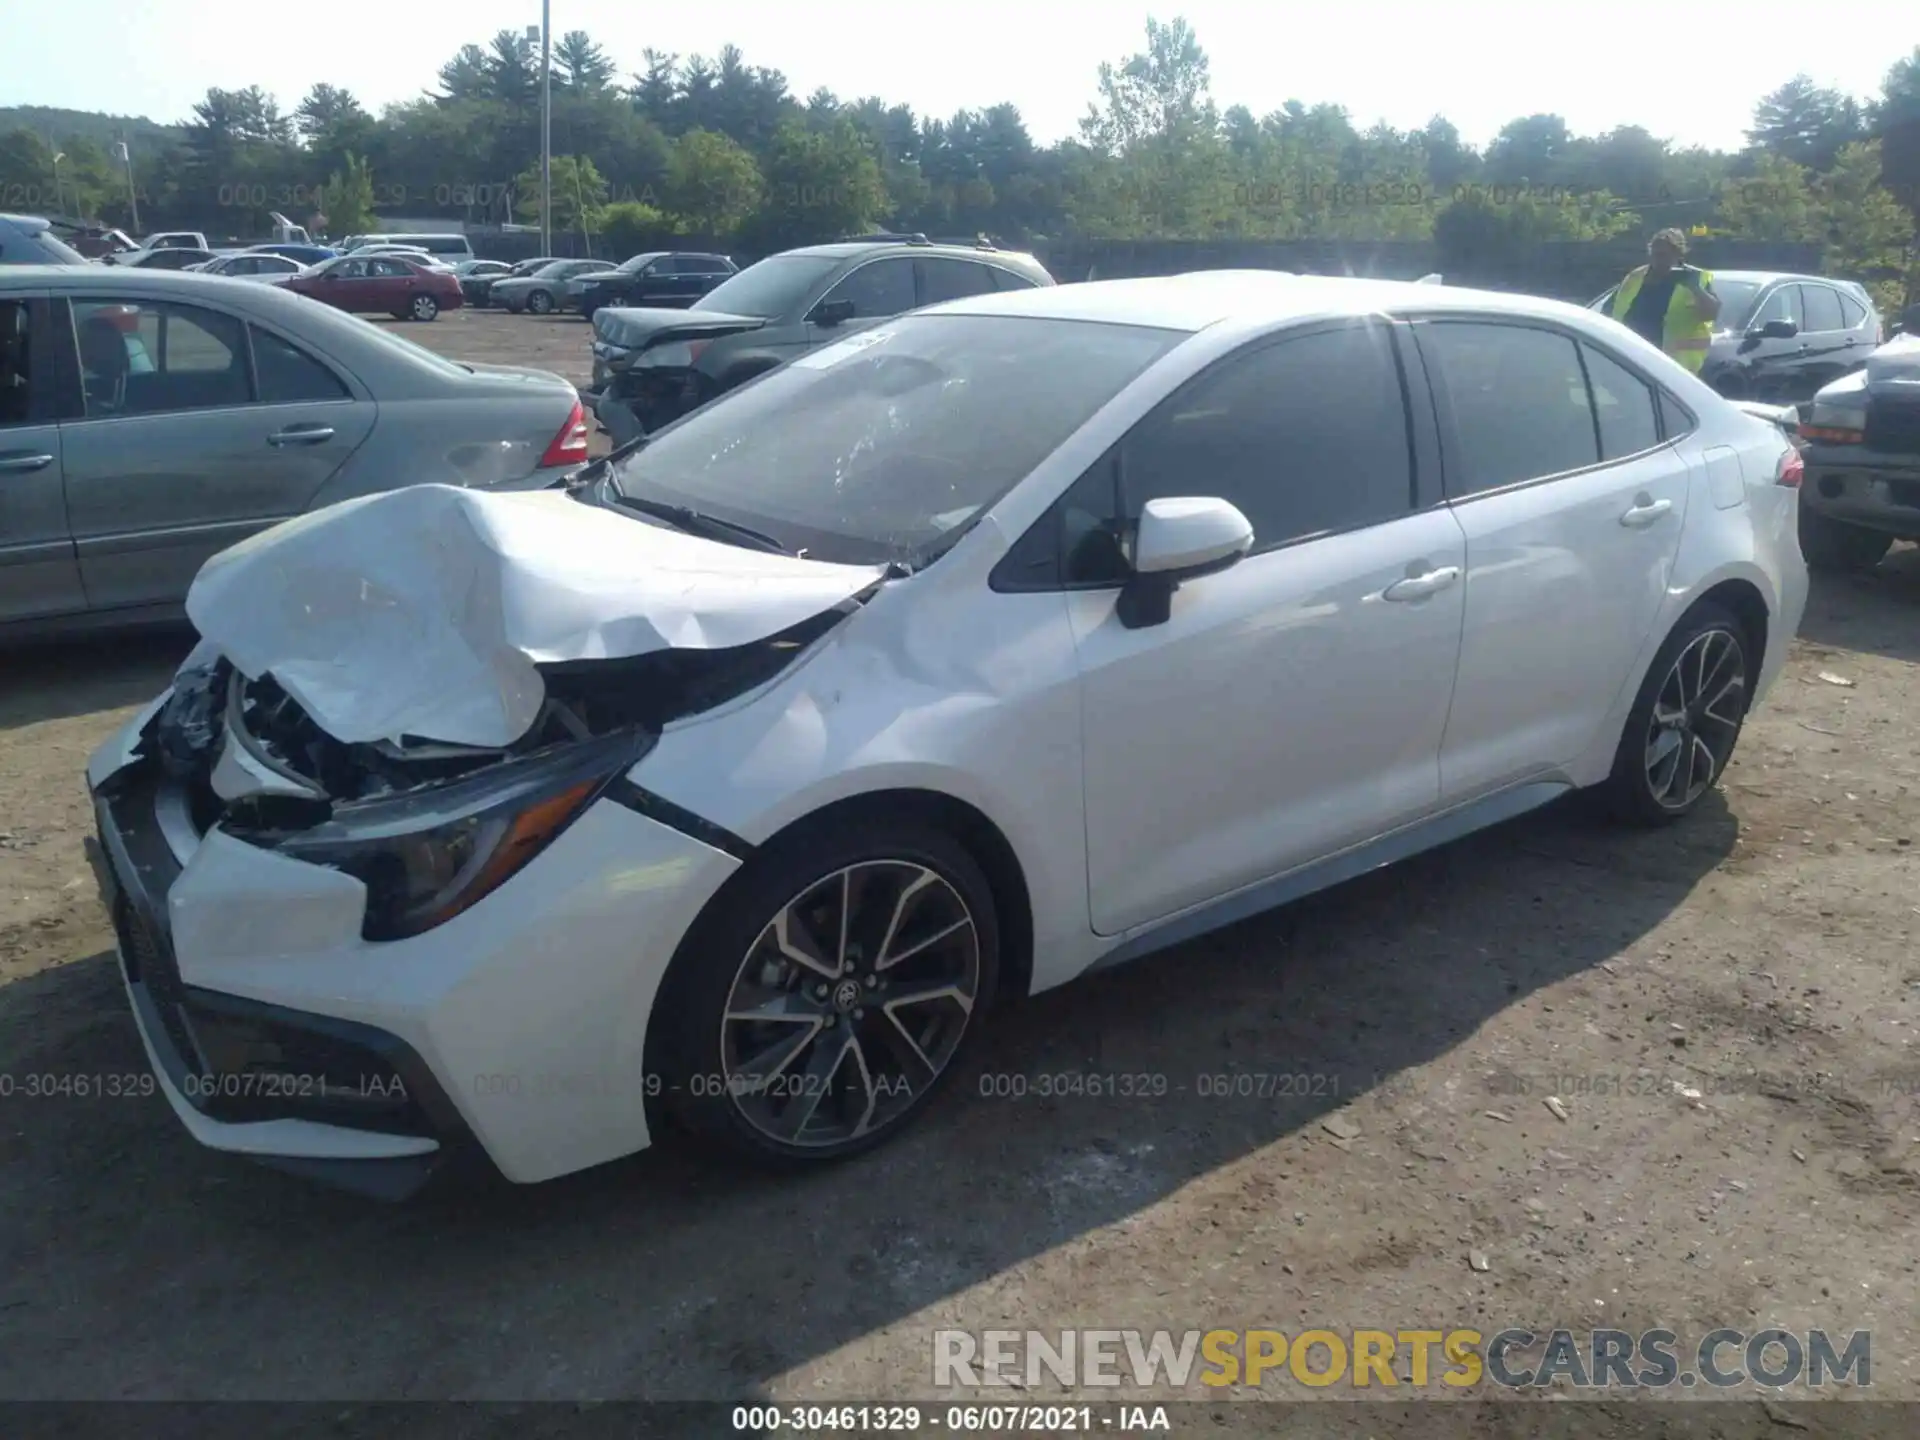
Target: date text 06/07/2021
[954, 1419]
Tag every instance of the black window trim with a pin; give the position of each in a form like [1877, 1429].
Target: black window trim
[43, 375]
[71, 391]
[1002, 582]
[1443, 409]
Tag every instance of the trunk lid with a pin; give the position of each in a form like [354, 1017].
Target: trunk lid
[425, 613]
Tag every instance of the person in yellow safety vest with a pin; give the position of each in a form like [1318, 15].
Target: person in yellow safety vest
[1668, 302]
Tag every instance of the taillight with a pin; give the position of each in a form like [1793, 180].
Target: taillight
[569, 447]
[1792, 468]
[1832, 434]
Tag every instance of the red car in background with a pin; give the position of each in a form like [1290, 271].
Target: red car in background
[380, 284]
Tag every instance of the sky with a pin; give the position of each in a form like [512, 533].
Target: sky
[1479, 62]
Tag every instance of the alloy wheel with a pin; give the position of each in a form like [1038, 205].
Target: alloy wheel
[425, 307]
[539, 302]
[850, 1003]
[1696, 718]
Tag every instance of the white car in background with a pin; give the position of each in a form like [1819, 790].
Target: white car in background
[272, 269]
[989, 646]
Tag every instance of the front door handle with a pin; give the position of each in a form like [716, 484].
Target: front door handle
[301, 435]
[1645, 511]
[25, 462]
[1419, 587]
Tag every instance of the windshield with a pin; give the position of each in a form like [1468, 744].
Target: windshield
[638, 262]
[769, 289]
[1736, 300]
[558, 270]
[384, 335]
[886, 445]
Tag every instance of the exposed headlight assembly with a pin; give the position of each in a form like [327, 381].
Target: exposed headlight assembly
[430, 853]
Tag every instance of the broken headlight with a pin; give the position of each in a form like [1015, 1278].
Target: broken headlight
[432, 852]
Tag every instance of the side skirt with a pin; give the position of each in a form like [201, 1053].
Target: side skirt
[1334, 870]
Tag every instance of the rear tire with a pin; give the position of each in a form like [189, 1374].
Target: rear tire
[1835, 546]
[773, 941]
[1686, 720]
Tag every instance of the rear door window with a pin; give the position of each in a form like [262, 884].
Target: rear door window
[1623, 406]
[158, 357]
[1517, 402]
[942, 279]
[1822, 305]
[288, 375]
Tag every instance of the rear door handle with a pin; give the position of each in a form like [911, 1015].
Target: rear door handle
[301, 435]
[1419, 587]
[1645, 511]
[25, 462]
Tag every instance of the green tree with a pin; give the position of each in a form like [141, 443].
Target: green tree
[1160, 91]
[579, 194]
[1773, 202]
[1806, 123]
[821, 184]
[580, 64]
[1869, 233]
[712, 184]
[346, 200]
[631, 226]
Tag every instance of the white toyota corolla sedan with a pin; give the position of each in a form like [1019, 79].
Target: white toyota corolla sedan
[729, 787]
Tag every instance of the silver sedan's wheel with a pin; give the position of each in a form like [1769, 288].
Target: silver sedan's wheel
[849, 1004]
[1696, 718]
[540, 302]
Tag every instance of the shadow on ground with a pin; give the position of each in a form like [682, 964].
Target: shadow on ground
[1877, 612]
[57, 679]
[204, 1277]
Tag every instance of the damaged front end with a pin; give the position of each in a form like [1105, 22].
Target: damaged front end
[429, 827]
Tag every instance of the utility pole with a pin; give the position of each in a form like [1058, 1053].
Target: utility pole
[125, 155]
[546, 127]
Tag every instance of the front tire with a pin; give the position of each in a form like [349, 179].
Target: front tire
[1686, 720]
[423, 307]
[540, 303]
[827, 992]
[1834, 545]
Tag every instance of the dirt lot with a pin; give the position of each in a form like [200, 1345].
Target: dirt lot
[1759, 957]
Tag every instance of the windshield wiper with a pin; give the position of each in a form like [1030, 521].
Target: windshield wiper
[697, 522]
[594, 469]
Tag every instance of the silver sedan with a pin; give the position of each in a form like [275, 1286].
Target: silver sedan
[149, 419]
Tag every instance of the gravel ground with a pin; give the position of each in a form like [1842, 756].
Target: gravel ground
[1725, 1011]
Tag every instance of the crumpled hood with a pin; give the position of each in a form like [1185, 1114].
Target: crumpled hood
[631, 327]
[423, 611]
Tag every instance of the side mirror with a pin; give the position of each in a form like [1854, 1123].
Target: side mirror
[832, 312]
[1179, 538]
[1779, 330]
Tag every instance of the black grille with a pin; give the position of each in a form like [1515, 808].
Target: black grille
[1893, 429]
[149, 960]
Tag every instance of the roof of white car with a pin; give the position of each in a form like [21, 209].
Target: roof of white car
[1200, 298]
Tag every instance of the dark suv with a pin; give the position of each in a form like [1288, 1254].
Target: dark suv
[651, 366]
[1781, 337]
[669, 280]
